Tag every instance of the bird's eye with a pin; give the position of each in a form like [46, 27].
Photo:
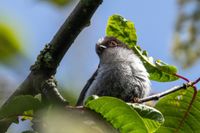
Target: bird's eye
[112, 44]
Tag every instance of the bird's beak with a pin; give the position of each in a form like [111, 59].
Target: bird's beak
[100, 48]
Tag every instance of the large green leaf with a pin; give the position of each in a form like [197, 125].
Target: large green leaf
[10, 45]
[174, 107]
[124, 30]
[126, 118]
[18, 105]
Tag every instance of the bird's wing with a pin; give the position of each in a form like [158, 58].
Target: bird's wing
[85, 89]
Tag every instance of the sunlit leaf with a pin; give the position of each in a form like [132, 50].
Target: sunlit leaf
[174, 107]
[124, 30]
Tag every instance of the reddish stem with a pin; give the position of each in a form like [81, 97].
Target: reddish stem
[184, 78]
[196, 81]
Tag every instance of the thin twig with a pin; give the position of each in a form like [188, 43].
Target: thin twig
[159, 95]
[174, 89]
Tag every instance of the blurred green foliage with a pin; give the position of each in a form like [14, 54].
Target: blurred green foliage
[186, 45]
[71, 120]
[10, 45]
[59, 3]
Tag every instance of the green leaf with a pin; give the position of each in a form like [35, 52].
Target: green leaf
[124, 117]
[152, 118]
[118, 113]
[165, 67]
[18, 105]
[173, 108]
[124, 30]
[10, 46]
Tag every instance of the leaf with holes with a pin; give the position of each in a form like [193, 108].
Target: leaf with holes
[174, 107]
[124, 30]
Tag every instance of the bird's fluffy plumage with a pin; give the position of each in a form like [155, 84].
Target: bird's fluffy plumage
[120, 74]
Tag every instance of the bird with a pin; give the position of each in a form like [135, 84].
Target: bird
[120, 73]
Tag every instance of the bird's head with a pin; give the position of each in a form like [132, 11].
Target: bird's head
[110, 49]
[108, 42]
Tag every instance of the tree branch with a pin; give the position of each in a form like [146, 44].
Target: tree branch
[50, 57]
[56, 49]
[47, 62]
